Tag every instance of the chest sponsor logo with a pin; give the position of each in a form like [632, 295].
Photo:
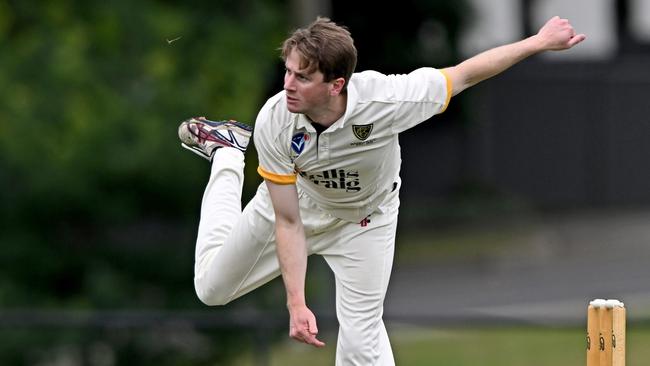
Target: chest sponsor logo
[362, 131]
[347, 180]
[299, 141]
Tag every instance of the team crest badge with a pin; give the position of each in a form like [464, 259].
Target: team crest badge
[298, 142]
[362, 131]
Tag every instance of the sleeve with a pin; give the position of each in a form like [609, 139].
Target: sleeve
[275, 162]
[420, 95]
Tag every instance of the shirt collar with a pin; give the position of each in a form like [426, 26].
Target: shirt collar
[303, 122]
[351, 104]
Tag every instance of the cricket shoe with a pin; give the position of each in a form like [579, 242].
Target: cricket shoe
[203, 137]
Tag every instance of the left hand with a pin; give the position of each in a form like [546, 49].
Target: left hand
[558, 34]
[302, 326]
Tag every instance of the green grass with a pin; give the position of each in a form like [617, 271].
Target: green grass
[530, 346]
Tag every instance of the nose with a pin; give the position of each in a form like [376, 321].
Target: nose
[288, 83]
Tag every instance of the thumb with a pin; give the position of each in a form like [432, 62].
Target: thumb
[313, 329]
[576, 39]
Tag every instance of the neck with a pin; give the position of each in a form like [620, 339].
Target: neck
[331, 113]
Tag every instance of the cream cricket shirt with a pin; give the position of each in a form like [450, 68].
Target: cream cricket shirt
[349, 168]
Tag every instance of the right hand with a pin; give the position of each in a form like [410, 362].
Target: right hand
[302, 326]
[558, 34]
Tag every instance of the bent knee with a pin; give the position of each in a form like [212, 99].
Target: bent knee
[210, 295]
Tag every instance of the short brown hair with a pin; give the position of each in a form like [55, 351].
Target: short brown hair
[324, 46]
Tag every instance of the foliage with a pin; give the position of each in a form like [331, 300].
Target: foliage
[98, 202]
[93, 95]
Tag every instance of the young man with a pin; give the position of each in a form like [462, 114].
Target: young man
[330, 159]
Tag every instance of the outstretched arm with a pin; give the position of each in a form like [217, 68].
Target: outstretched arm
[556, 34]
[292, 255]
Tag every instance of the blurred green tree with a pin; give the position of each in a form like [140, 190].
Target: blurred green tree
[98, 202]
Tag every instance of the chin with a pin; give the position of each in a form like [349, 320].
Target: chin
[293, 109]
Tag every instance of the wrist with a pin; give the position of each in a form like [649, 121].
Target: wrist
[295, 303]
[536, 43]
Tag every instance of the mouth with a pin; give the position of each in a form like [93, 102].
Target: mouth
[292, 103]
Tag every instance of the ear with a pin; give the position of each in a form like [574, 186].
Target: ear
[336, 86]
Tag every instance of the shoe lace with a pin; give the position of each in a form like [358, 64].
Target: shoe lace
[202, 135]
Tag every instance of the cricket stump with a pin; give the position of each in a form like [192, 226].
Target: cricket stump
[606, 333]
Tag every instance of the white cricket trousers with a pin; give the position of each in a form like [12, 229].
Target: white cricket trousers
[235, 253]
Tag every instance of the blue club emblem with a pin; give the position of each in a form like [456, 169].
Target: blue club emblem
[299, 141]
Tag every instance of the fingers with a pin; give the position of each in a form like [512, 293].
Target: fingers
[560, 34]
[302, 326]
[306, 336]
[311, 339]
[557, 20]
[306, 333]
[576, 39]
[313, 331]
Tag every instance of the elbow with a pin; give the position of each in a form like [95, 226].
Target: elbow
[287, 221]
[463, 82]
[288, 227]
[459, 87]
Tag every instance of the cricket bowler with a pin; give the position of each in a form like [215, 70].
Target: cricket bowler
[329, 154]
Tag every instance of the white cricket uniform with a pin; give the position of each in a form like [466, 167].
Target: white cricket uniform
[348, 182]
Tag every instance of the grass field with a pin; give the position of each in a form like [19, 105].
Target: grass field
[471, 347]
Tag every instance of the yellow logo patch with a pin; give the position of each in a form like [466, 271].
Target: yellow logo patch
[362, 131]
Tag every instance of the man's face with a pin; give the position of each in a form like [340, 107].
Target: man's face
[307, 93]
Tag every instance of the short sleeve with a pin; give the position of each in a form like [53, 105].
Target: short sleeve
[274, 157]
[420, 95]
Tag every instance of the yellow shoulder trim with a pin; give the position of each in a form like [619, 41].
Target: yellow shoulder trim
[276, 178]
[450, 89]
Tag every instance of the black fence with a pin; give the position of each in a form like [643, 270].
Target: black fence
[560, 135]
